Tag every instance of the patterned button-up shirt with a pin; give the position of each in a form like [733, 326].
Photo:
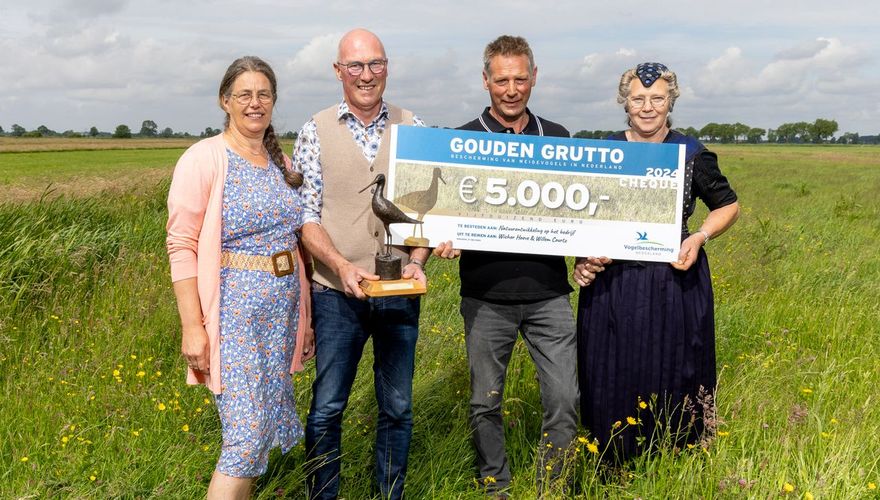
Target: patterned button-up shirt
[307, 153]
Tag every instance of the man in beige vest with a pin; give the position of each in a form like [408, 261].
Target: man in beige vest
[339, 151]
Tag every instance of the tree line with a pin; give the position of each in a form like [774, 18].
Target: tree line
[819, 132]
[149, 129]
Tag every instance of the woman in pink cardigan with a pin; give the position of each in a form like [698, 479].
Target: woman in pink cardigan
[239, 278]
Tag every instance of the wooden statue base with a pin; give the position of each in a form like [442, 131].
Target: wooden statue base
[412, 241]
[386, 288]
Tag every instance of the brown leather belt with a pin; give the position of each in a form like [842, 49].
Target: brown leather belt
[279, 264]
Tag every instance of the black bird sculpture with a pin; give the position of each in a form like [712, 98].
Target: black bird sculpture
[386, 211]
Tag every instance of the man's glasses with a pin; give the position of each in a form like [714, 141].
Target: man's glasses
[377, 66]
[245, 98]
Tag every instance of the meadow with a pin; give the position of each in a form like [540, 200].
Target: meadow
[94, 403]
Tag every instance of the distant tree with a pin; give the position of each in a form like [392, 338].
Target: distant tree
[17, 130]
[849, 138]
[691, 131]
[1, 130]
[710, 131]
[289, 135]
[167, 132]
[583, 134]
[46, 131]
[71, 133]
[149, 129]
[804, 131]
[93, 132]
[210, 132]
[32, 133]
[823, 129]
[122, 132]
[754, 135]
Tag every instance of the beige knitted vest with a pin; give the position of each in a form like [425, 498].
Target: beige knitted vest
[346, 215]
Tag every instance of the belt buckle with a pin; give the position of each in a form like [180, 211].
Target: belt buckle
[282, 263]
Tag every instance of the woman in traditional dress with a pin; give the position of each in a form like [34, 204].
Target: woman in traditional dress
[233, 213]
[646, 330]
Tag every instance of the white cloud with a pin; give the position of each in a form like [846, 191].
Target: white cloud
[74, 63]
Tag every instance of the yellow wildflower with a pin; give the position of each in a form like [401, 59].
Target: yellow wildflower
[25, 459]
[788, 487]
[808, 496]
[185, 428]
[489, 480]
[64, 439]
[115, 373]
[807, 390]
[207, 401]
[141, 373]
[158, 373]
[161, 406]
[643, 405]
[834, 421]
[134, 357]
[92, 477]
[631, 421]
[582, 440]
[871, 486]
[616, 424]
[593, 448]
[825, 434]
[135, 433]
[206, 448]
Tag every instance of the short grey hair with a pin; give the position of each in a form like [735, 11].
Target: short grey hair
[507, 45]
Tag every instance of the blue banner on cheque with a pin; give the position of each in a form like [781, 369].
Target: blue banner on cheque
[534, 194]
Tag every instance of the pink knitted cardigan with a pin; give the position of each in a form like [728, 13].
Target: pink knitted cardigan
[194, 223]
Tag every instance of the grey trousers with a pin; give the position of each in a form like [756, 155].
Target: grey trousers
[549, 332]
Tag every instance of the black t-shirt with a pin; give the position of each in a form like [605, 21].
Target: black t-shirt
[513, 277]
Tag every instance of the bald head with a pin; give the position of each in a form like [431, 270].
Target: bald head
[358, 40]
[362, 68]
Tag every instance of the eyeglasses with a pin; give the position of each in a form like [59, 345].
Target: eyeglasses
[377, 66]
[656, 101]
[245, 98]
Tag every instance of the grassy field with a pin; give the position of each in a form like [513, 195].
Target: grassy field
[94, 404]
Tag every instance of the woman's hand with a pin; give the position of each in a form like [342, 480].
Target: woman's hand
[195, 348]
[308, 341]
[585, 269]
[690, 248]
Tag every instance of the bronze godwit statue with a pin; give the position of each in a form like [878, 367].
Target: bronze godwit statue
[422, 202]
[386, 211]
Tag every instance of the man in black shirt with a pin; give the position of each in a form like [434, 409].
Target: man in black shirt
[506, 293]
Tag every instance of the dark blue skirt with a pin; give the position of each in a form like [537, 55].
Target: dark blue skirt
[646, 332]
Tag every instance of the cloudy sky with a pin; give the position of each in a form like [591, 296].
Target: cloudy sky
[72, 64]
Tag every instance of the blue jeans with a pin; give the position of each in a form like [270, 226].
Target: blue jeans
[342, 327]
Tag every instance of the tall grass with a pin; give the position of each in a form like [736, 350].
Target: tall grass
[94, 405]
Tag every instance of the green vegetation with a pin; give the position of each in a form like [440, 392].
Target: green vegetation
[94, 403]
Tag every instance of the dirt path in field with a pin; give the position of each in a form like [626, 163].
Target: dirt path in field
[82, 186]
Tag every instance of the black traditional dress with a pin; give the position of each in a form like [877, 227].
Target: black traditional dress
[646, 335]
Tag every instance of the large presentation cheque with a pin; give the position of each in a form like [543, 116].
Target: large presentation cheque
[541, 195]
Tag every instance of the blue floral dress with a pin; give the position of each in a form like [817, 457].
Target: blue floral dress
[258, 318]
